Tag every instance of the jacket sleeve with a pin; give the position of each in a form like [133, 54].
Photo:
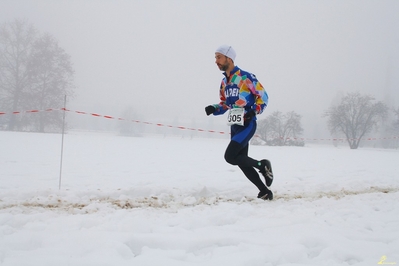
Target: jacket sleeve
[221, 107]
[260, 94]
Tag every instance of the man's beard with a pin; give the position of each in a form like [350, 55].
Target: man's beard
[224, 67]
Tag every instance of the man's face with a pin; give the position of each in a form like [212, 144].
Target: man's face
[222, 61]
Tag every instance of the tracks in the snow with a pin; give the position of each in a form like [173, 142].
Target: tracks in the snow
[103, 202]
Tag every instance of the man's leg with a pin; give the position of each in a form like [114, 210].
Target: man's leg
[237, 155]
[240, 137]
[249, 171]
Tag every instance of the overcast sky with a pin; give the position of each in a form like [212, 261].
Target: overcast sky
[158, 56]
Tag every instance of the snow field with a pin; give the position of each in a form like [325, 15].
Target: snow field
[173, 201]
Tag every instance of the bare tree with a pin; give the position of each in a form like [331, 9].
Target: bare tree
[391, 129]
[355, 116]
[16, 41]
[396, 122]
[51, 75]
[281, 129]
[35, 73]
[395, 126]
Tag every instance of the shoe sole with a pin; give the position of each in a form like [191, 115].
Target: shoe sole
[267, 196]
[268, 175]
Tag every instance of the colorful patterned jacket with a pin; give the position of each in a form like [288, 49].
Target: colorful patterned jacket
[241, 89]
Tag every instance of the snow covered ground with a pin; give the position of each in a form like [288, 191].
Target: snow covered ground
[173, 201]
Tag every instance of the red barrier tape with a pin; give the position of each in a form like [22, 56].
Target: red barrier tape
[31, 111]
[144, 122]
[181, 127]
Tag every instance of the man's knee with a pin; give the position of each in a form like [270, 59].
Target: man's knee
[229, 158]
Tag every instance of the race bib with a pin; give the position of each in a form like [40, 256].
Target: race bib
[236, 116]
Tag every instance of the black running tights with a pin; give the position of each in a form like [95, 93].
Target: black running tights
[237, 155]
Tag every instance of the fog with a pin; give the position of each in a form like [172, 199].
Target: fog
[158, 56]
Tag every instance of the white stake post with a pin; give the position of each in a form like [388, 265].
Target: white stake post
[62, 141]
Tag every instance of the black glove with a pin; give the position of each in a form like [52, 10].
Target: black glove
[210, 109]
[248, 116]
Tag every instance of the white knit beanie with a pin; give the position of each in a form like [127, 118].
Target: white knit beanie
[227, 50]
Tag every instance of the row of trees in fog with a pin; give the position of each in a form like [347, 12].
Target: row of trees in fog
[280, 129]
[35, 73]
[354, 117]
